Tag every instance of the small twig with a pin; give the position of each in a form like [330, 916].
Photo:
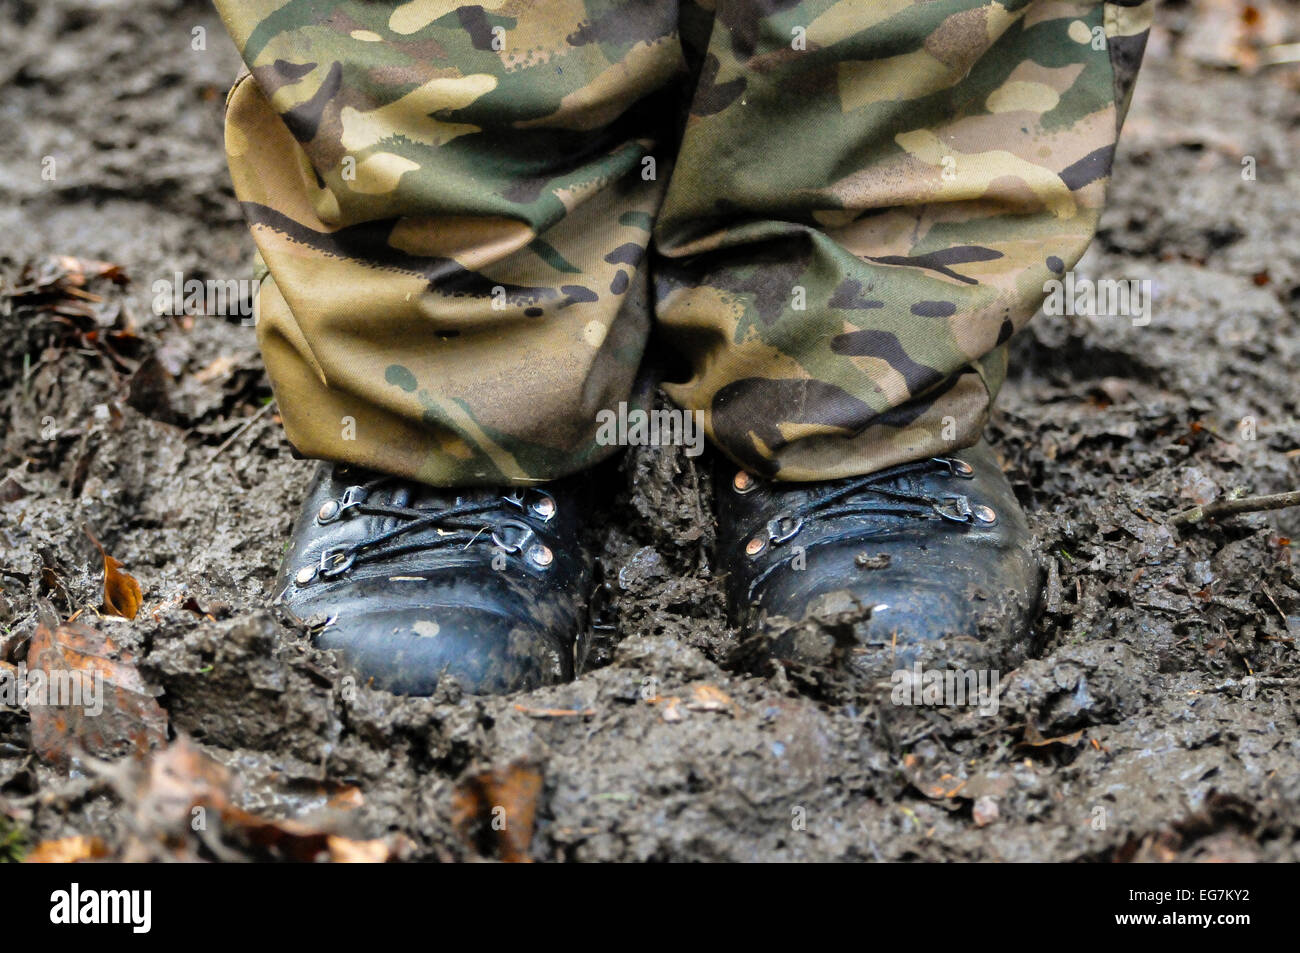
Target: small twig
[556, 712]
[919, 737]
[236, 435]
[1236, 648]
[1284, 53]
[1233, 685]
[1269, 596]
[1247, 504]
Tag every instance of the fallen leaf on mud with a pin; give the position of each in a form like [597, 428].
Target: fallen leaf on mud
[494, 811]
[183, 788]
[52, 294]
[192, 605]
[1157, 848]
[289, 839]
[84, 671]
[184, 792]
[940, 788]
[122, 594]
[709, 698]
[176, 780]
[11, 489]
[929, 775]
[220, 368]
[76, 271]
[67, 850]
[347, 798]
[344, 851]
[149, 391]
[672, 711]
[1216, 834]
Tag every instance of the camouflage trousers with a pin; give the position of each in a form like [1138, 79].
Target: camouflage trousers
[832, 213]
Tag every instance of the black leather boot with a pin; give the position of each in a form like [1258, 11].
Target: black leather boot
[927, 562]
[413, 583]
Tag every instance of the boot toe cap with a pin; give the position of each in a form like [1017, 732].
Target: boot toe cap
[969, 611]
[409, 650]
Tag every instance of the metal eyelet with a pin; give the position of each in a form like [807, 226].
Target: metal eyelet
[957, 468]
[783, 528]
[331, 510]
[336, 561]
[755, 546]
[985, 514]
[743, 483]
[544, 507]
[954, 508]
[523, 535]
[540, 555]
[306, 574]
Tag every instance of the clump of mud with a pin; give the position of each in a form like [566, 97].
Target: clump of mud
[1158, 720]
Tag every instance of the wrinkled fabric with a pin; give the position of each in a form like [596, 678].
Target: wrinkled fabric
[836, 213]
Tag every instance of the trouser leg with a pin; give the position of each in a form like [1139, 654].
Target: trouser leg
[868, 200]
[453, 208]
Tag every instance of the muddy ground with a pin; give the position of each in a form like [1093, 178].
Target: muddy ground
[154, 433]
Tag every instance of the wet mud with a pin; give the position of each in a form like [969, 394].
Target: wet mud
[1156, 718]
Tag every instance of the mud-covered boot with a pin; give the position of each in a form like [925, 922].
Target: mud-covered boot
[412, 583]
[928, 562]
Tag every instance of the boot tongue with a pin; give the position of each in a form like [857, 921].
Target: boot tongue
[424, 497]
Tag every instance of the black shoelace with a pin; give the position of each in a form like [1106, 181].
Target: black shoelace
[462, 523]
[873, 495]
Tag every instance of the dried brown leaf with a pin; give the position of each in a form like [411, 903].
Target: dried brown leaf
[709, 698]
[182, 782]
[122, 593]
[90, 671]
[495, 810]
[11, 489]
[67, 850]
[344, 851]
